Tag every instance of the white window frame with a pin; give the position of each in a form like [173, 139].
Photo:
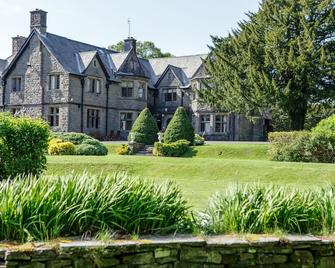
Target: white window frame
[124, 121]
[54, 81]
[205, 120]
[127, 87]
[222, 123]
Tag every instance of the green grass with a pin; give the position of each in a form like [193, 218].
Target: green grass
[212, 168]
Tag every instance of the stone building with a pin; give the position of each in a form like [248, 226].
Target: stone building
[84, 88]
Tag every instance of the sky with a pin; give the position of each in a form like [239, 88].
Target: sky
[181, 27]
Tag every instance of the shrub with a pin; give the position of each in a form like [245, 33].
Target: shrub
[198, 140]
[302, 146]
[145, 128]
[51, 207]
[123, 150]
[75, 138]
[173, 149]
[326, 127]
[59, 147]
[85, 145]
[23, 145]
[179, 128]
[266, 209]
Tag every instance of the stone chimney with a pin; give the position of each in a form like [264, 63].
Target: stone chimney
[17, 43]
[38, 20]
[130, 44]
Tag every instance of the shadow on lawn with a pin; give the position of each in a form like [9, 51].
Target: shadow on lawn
[191, 152]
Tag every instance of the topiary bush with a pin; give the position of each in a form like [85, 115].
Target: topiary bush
[84, 144]
[179, 128]
[173, 149]
[59, 147]
[145, 128]
[23, 145]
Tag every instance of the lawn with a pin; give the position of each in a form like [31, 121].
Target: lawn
[204, 170]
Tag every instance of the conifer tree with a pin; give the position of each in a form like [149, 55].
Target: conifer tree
[179, 128]
[282, 57]
[145, 128]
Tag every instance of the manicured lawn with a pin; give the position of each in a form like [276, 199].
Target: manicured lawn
[204, 170]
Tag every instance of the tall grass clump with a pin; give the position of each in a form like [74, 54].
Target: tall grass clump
[269, 209]
[73, 205]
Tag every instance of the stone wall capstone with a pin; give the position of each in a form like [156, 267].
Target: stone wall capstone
[182, 251]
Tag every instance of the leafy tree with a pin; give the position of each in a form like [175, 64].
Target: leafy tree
[281, 58]
[179, 128]
[145, 127]
[146, 50]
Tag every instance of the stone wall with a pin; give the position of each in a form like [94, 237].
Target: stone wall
[223, 251]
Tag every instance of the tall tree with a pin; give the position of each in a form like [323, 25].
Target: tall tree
[146, 50]
[282, 57]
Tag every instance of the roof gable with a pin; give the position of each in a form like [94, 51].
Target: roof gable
[131, 65]
[178, 73]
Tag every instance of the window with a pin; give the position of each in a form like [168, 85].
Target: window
[205, 123]
[93, 118]
[15, 111]
[54, 82]
[221, 123]
[170, 95]
[126, 121]
[17, 84]
[53, 116]
[127, 89]
[141, 91]
[95, 63]
[94, 85]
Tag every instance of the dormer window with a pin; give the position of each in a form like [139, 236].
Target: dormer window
[127, 89]
[54, 82]
[16, 84]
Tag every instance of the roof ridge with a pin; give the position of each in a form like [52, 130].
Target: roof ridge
[83, 43]
[186, 56]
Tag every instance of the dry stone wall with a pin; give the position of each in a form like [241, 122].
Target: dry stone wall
[193, 252]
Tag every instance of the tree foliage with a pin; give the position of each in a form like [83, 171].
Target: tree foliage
[145, 49]
[145, 128]
[179, 128]
[282, 58]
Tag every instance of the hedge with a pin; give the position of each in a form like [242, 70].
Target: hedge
[173, 149]
[23, 145]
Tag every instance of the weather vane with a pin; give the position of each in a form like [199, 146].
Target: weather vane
[129, 24]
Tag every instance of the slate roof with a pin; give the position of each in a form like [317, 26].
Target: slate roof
[3, 64]
[75, 57]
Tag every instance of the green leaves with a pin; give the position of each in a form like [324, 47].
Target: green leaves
[283, 56]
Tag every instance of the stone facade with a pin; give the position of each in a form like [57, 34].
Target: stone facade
[175, 252]
[83, 88]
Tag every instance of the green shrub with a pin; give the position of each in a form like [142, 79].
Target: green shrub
[23, 145]
[173, 149]
[145, 128]
[198, 140]
[59, 147]
[179, 128]
[123, 150]
[75, 138]
[326, 127]
[268, 209]
[85, 145]
[49, 207]
[315, 146]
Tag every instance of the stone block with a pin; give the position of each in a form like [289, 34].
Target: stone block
[302, 257]
[139, 258]
[165, 252]
[105, 262]
[59, 263]
[196, 255]
[33, 265]
[17, 256]
[326, 262]
[271, 259]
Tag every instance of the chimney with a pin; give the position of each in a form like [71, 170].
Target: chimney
[129, 44]
[38, 20]
[17, 43]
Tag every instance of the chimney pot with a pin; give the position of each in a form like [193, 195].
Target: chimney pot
[129, 44]
[17, 43]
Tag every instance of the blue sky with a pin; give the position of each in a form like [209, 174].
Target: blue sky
[182, 27]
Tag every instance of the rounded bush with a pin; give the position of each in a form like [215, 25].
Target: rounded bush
[198, 140]
[59, 147]
[326, 127]
[145, 128]
[179, 128]
[173, 149]
[75, 138]
[100, 148]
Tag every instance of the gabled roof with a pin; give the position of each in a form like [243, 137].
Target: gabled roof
[119, 58]
[189, 64]
[85, 58]
[178, 73]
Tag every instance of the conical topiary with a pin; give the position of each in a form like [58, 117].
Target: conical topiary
[179, 128]
[145, 128]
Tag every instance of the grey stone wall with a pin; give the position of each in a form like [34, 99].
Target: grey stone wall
[174, 252]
